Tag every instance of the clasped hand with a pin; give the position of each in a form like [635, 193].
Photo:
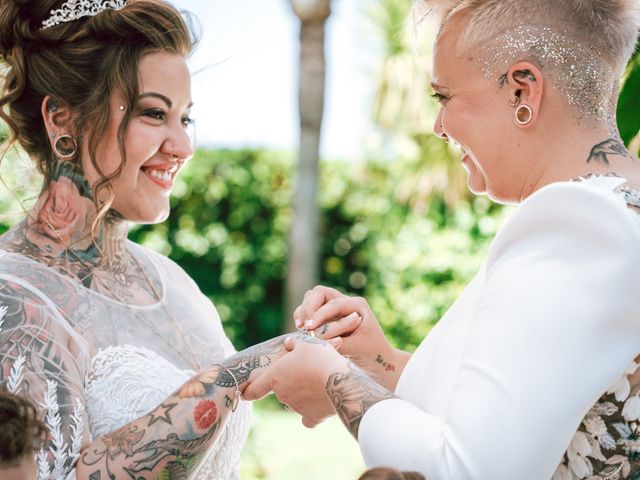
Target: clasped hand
[344, 328]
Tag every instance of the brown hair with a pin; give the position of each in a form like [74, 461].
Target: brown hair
[21, 432]
[384, 473]
[80, 64]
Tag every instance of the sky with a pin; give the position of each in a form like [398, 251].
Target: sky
[245, 75]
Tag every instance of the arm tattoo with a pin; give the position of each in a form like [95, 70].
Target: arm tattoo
[388, 366]
[161, 414]
[243, 363]
[352, 394]
[172, 440]
[600, 152]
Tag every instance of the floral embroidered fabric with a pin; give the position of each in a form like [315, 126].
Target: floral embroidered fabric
[607, 444]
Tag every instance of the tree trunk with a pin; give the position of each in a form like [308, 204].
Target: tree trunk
[302, 273]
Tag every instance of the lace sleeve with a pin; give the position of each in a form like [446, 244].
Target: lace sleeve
[43, 359]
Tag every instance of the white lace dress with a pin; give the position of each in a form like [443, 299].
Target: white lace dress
[94, 364]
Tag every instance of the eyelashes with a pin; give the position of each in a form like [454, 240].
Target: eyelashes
[159, 115]
[154, 114]
[439, 97]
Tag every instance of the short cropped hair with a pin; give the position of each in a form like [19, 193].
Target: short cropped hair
[609, 25]
[598, 36]
[21, 431]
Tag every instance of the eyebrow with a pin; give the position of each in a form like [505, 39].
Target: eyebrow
[157, 95]
[161, 97]
[435, 86]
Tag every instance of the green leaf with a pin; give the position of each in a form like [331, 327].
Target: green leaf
[629, 103]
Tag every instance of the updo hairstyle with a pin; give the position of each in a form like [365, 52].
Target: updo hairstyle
[80, 64]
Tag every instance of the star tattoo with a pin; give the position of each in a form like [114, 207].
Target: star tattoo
[161, 413]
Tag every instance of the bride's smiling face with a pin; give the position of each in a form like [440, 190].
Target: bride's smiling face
[156, 142]
[475, 114]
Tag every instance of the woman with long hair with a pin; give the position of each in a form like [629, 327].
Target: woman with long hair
[126, 357]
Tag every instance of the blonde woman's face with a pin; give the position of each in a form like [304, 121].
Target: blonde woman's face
[157, 141]
[475, 114]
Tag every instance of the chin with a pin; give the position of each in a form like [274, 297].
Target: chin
[476, 184]
[147, 217]
[151, 218]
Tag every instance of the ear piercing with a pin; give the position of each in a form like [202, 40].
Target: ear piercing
[513, 100]
[65, 146]
[121, 108]
[523, 115]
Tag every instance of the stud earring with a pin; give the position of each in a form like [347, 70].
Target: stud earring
[121, 108]
[523, 115]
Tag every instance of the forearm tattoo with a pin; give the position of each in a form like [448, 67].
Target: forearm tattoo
[352, 394]
[184, 426]
[243, 363]
[388, 366]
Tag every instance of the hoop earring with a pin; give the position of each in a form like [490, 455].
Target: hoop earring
[515, 102]
[520, 120]
[62, 148]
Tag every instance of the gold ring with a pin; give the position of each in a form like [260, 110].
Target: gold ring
[312, 333]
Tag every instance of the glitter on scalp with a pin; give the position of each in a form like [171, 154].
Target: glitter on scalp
[575, 69]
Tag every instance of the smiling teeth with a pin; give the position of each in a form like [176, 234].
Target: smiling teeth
[164, 175]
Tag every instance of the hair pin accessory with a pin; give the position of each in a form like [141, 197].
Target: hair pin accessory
[74, 9]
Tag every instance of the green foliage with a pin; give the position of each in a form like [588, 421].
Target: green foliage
[229, 224]
[228, 229]
[629, 103]
[231, 215]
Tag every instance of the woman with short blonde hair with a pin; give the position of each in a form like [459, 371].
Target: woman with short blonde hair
[533, 372]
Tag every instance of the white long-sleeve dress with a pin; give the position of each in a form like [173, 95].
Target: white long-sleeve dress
[94, 364]
[530, 374]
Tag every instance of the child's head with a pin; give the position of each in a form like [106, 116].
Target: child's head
[21, 434]
[384, 473]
